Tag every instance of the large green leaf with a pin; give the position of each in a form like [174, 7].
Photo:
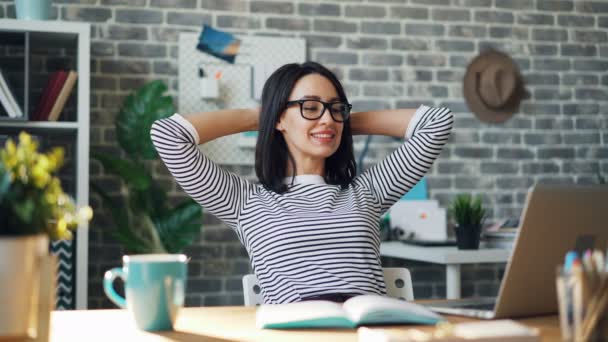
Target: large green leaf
[135, 231]
[131, 244]
[5, 182]
[131, 173]
[152, 200]
[25, 210]
[120, 214]
[140, 240]
[136, 116]
[180, 227]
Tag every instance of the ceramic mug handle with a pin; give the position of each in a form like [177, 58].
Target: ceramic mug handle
[108, 286]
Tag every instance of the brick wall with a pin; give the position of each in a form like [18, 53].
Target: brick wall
[397, 53]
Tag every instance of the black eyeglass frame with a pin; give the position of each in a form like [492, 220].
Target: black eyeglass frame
[326, 106]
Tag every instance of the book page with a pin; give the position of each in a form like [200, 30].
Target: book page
[372, 309]
[278, 314]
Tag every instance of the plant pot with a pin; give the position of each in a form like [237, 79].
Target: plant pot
[19, 279]
[33, 9]
[467, 236]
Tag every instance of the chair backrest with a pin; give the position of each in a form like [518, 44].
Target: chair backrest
[398, 283]
[251, 290]
[397, 279]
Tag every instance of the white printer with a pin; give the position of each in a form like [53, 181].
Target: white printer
[419, 220]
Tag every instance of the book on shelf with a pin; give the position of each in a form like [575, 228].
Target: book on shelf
[55, 95]
[51, 90]
[8, 99]
[356, 311]
[63, 96]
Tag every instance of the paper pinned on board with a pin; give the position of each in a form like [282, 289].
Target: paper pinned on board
[218, 43]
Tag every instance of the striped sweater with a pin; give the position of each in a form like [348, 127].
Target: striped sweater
[315, 238]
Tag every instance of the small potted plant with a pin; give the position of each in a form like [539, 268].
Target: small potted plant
[33, 208]
[468, 214]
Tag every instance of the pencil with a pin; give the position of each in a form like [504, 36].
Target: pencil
[597, 307]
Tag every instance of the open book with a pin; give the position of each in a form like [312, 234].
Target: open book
[356, 311]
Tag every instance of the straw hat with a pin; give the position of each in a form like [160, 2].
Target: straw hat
[493, 87]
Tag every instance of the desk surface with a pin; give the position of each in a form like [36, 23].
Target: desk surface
[443, 255]
[227, 323]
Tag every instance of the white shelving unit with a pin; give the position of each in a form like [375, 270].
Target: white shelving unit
[62, 34]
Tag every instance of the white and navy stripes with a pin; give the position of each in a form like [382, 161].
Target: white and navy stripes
[315, 238]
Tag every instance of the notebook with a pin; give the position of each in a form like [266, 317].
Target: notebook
[356, 311]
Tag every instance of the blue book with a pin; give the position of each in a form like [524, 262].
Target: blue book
[356, 311]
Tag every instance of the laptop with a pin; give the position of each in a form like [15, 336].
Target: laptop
[555, 219]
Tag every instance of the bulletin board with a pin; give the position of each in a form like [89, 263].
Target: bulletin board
[240, 85]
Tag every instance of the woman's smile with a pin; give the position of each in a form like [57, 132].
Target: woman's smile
[324, 137]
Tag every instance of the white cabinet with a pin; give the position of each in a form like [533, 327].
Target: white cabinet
[23, 39]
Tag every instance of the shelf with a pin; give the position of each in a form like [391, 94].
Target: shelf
[46, 125]
[67, 40]
[49, 26]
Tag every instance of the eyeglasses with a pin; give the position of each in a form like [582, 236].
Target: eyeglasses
[314, 109]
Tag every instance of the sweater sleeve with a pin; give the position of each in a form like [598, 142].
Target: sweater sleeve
[220, 192]
[427, 133]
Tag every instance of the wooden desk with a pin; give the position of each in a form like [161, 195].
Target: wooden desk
[451, 257]
[221, 323]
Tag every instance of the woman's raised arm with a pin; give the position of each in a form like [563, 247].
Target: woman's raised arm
[213, 125]
[391, 122]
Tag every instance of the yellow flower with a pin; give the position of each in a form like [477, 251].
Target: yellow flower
[43, 162]
[10, 147]
[55, 158]
[40, 171]
[24, 139]
[9, 155]
[40, 178]
[25, 165]
[85, 214]
[62, 199]
[61, 230]
[50, 197]
[22, 174]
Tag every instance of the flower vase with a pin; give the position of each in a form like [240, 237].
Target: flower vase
[467, 236]
[20, 267]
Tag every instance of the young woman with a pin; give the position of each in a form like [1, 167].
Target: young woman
[310, 225]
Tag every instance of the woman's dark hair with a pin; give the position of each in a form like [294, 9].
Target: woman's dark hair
[271, 152]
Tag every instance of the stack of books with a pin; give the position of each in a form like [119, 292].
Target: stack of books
[55, 94]
[503, 238]
[8, 99]
[501, 234]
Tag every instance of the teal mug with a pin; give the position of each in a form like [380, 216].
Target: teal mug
[33, 9]
[155, 286]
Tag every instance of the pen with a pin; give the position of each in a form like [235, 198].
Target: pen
[587, 263]
[569, 260]
[598, 260]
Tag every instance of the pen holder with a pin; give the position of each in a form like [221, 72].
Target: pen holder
[583, 305]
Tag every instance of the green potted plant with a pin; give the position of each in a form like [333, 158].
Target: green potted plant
[33, 208]
[468, 214]
[146, 223]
